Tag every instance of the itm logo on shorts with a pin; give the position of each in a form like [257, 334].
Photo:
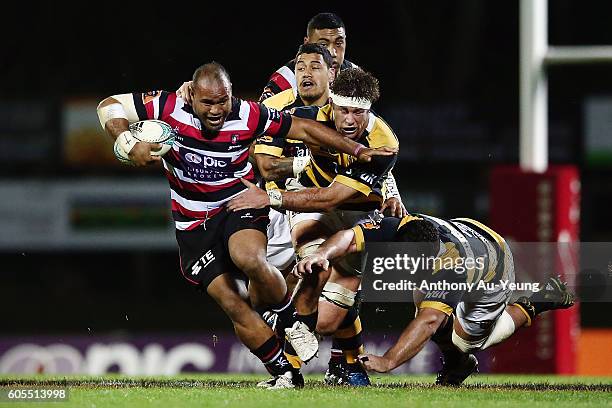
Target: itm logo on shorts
[203, 262]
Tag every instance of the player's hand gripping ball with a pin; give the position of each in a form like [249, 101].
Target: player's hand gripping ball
[150, 131]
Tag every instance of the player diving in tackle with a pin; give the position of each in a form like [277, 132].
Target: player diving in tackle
[209, 157]
[460, 322]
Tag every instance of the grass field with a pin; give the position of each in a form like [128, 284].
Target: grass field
[388, 391]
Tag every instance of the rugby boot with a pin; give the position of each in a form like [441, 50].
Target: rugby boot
[288, 380]
[356, 375]
[455, 371]
[335, 373]
[303, 341]
[552, 296]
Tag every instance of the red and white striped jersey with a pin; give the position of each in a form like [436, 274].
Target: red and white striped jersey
[204, 168]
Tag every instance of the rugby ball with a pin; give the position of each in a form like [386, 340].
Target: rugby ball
[150, 131]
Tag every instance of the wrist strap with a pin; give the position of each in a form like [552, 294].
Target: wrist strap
[276, 198]
[126, 141]
[299, 164]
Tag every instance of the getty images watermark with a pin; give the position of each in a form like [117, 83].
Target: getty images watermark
[453, 273]
[394, 271]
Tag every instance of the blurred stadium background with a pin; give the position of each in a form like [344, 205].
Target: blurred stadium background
[89, 279]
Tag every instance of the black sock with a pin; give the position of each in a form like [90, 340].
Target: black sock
[271, 355]
[442, 336]
[309, 320]
[336, 352]
[443, 339]
[350, 317]
[285, 311]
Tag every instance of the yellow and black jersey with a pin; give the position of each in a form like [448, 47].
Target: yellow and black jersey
[277, 147]
[460, 239]
[327, 166]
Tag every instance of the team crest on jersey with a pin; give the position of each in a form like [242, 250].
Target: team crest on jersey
[274, 115]
[234, 138]
[265, 139]
[370, 225]
[149, 96]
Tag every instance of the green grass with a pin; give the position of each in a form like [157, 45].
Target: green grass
[388, 391]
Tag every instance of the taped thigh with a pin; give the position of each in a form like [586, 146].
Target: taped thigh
[338, 295]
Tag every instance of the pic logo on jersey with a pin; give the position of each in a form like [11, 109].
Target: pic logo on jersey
[193, 158]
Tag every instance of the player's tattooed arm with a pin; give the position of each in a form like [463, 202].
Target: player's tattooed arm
[412, 340]
[274, 168]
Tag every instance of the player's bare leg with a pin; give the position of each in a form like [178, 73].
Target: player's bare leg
[332, 313]
[249, 328]
[339, 317]
[306, 236]
[553, 296]
[253, 331]
[455, 343]
[267, 287]
[247, 249]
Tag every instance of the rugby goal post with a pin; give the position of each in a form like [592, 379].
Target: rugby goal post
[535, 202]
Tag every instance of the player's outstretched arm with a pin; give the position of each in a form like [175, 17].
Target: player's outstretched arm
[116, 113]
[336, 246]
[412, 340]
[313, 133]
[306, 200]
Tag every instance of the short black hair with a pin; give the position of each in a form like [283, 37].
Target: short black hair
[324, 20]
[421, 231]
[356, 83]
[309, 48]
[214, 69]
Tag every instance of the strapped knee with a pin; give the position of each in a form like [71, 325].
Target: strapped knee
[338, 295]
[466, 346]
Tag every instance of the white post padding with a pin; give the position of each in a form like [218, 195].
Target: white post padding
[535, 56]
[533, 86]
